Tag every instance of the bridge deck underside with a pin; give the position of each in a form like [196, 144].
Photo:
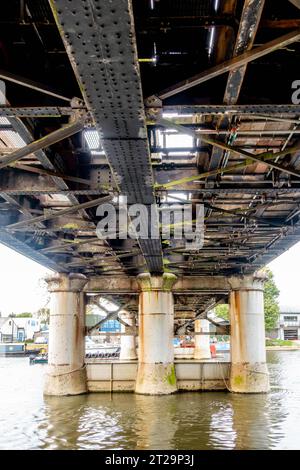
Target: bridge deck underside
[112, 58]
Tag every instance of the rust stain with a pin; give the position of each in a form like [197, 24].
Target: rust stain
[77, 325]
[235, 301]
[141, 329]
[241, 334]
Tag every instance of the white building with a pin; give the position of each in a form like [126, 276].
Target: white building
[289, 323]
[18, 329]
[8, 330]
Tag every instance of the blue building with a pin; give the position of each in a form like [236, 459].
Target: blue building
[112, 326]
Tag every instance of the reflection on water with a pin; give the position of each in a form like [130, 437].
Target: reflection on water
[208, 420]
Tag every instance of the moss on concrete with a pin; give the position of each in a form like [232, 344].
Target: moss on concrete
[238, 380]
[171, 376]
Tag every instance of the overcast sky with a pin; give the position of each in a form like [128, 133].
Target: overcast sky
[19, 283]
[20, 292]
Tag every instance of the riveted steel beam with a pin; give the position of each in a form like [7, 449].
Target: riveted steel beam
[36, 112]
[37, 191]
[296, 3]
[232, 64]
[25, 82]
[41, 171]
[11, 241]
[169, 124]
[249, 22]
[242, 133]
[243, 109]
[243, 153]
[245, 37]
[69, 244]
[46, 141]
[100, 41]
[59, 213]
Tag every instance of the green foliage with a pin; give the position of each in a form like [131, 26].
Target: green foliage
[20, 315]
[222, 311]
[271, 304]
[279, 342]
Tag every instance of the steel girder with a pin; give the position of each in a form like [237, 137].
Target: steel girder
[41, 143]
[100, 40]
[249, 22]
[278, 245]
[15, 244]
[239, 61]
[280, 109]
[296, 3]
[245, 38]
[36, 112]
[11, 240]
[242, 109]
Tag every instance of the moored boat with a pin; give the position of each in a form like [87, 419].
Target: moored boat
[40, 359]
[12, 349]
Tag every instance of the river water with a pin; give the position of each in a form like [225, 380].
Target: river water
[207, 420]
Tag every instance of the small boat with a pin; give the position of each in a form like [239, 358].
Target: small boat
[40, 359]
[12, 349]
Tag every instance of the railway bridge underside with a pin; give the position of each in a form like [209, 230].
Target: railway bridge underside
[169, 105]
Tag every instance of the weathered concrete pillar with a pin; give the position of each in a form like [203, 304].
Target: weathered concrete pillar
[249, 372]
[66, 373]
[128, 342]
[156, 371]
[202, 344]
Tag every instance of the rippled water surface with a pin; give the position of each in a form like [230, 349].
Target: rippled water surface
[207, 420]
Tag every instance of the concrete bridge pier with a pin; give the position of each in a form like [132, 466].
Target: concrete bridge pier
[249, 372]
[202, 344]
[128, 342]
[66, 373]
[156, 371]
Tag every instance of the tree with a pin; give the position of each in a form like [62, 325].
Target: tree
[24, 315]
[222, 311]
[271, 304]
[43, 314]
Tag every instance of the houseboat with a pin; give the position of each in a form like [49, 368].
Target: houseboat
[12, 349]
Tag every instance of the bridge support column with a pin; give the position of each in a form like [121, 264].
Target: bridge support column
[66, 373]
[156, 371]
[128, 342]
[202, 344]
[249, 372]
